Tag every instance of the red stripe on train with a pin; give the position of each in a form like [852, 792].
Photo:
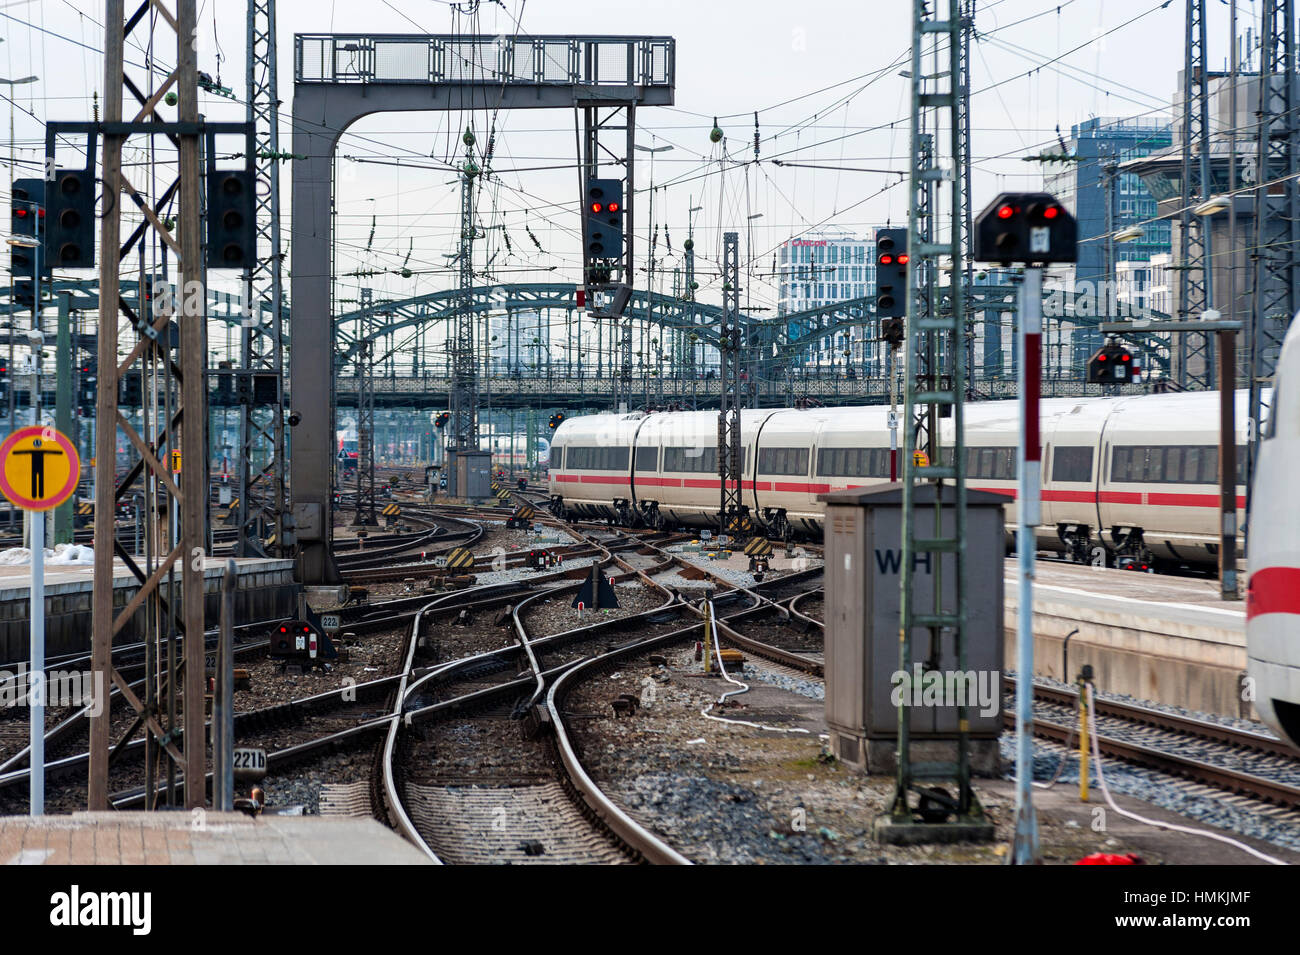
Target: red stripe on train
[1273, 590]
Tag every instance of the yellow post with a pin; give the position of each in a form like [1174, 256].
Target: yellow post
[1083, 740]
[708, 636]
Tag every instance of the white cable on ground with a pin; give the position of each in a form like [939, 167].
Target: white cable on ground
[1101, 778]
[744, 688]
[1060, 767]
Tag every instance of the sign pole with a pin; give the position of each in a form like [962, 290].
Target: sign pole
[39, 470]
[1027, 518]
[36, 668]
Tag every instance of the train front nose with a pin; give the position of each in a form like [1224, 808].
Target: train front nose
[1273, 665]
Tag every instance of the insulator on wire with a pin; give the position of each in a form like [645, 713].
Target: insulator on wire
[756, 135]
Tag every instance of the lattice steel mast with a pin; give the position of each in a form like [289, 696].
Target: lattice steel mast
[1277, 226]
[464, 386]
[262, 445]
[933, 391]
[730, 464]
[365, 513]
[1195, 367]
[181, 746]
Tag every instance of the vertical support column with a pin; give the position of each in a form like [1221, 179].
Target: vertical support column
[193, 358]
[1228, 589]
[1195, 278]
[1027, 517]
[933, 485]
[106, 409]
[1277, 231]
[181, 498]
[63, 407]
[729, 442]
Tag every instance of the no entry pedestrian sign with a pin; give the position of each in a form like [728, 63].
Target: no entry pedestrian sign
[39, 468]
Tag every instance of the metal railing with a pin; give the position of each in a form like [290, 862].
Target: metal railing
[517, 60]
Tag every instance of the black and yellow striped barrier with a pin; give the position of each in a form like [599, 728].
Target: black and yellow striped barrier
[740, 524]
[85, 509]
[459, 558]
[759, 547]
[391, 510]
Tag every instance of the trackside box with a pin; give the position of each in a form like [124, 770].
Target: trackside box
[863, 564]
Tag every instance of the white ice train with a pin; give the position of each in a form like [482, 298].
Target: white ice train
[1133, 478]
[1273, 594]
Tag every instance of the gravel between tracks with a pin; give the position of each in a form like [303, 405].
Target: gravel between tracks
[723, 793]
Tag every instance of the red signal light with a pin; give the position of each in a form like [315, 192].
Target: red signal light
[613, 207]
[1051, 212]
[597, 207]
[1125, 357]
[1101, 358]
[284, 629]
[886, 260]
[20, 213]
[1005, 212]
[306, 629]
[904, 258]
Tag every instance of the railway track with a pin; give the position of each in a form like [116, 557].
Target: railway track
[467, 774]
[1224, 757]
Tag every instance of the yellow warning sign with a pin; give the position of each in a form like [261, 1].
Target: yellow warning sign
[176, 460]
[920, 459]
[39, 468]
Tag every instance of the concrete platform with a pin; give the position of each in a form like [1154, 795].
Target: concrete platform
[1162, 638]
[266, 589]
[203, 838]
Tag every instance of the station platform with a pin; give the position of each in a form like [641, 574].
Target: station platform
[266, 590]
[200, 838]
[1155, 637]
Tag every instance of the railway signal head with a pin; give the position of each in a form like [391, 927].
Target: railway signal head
[70, 203]
[442, 419]
[28, 220]
[556, 420]
[1113, 364]
[602, 219]
[1026, 228]
[232, 226]
[892, 260]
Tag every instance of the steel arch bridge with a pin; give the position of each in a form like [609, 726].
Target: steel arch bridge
[793, 356]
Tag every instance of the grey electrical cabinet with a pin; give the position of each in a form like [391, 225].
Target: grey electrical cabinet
[864, 678]
[473, 474]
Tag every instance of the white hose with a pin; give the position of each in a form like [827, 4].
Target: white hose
[744, 688]
[1101, 778]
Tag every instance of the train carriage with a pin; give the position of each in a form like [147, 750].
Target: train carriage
[1135, 476]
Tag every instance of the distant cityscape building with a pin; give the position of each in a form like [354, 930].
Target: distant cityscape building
[1089, 183]
[816, 271]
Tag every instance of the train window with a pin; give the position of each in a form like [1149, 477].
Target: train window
[853, 462]
[598, 459]
[1170, 464]
[557, 457]
[991, 464]
[783, 461]
[647, 459]
[1072, 464]
[694, 460]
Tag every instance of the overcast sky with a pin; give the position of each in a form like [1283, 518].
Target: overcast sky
[822, 75]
